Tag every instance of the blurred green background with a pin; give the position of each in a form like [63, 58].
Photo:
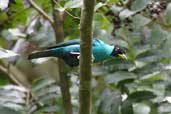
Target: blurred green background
[141, 85]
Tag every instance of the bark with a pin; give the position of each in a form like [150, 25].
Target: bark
[85, 59]
[64, 81]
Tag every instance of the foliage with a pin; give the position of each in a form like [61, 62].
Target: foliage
[140, 85]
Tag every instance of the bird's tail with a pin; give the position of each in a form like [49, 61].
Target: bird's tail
[39, 54]
[45, 53]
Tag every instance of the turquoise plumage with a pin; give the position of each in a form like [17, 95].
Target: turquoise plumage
[70, 51]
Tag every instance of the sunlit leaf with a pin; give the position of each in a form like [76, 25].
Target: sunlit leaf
[99, 5]
[140, 108]
[113, 1]
[73, 4]
[100, 21]
[116, 9]
[126, 13]
[6, 53]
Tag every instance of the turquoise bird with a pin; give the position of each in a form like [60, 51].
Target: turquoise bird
[70, 52]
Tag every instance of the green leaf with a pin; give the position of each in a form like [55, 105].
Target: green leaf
[5, 110]
[140, 21]
[127, 108]
[3, 16]
[110, 102]
[141, 108]
[73, 4]
[119, 76]
[47, 109]
[151, 56]
[44, 91]
[139, 5]
[158, 35]
[141, 95]
[115, 65]
[42, 83]
[99, 5]
[155, 76]
[113, 1]
[126, 13]
[137, 96]
[100, 21]
[116, 9]
[168, 14]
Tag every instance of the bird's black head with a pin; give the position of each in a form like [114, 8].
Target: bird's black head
[119, 52]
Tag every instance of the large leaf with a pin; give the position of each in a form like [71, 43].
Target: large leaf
[152, 56]
[42, 83]
[140, 108]
[126, 13]
[158, 35]
[73, 4]
[4, 110]
[139, 5]
[110, 102]
[12, 97]
[115, 65]
[100, 21]
[46, 92]
[119, 76]
[140, 21]
[99, 5]
[133, 98]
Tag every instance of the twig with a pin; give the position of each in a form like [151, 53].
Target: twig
[37, 8]
[75, 17]
[12, 77]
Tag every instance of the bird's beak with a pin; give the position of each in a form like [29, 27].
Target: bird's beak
[123, 56]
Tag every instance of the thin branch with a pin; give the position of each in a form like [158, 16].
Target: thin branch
[75, 17]
[37, 8]
[58, 18]
[12, 77]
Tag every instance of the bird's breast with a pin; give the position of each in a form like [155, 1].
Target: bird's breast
[101, 53]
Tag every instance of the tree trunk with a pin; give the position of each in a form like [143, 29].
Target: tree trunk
[86, 56]
[64, 81]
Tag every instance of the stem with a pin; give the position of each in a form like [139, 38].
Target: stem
[64, 81]
[85, 58]
[38, 9]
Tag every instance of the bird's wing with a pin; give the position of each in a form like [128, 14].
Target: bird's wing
[67, 43]
[74, 42]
